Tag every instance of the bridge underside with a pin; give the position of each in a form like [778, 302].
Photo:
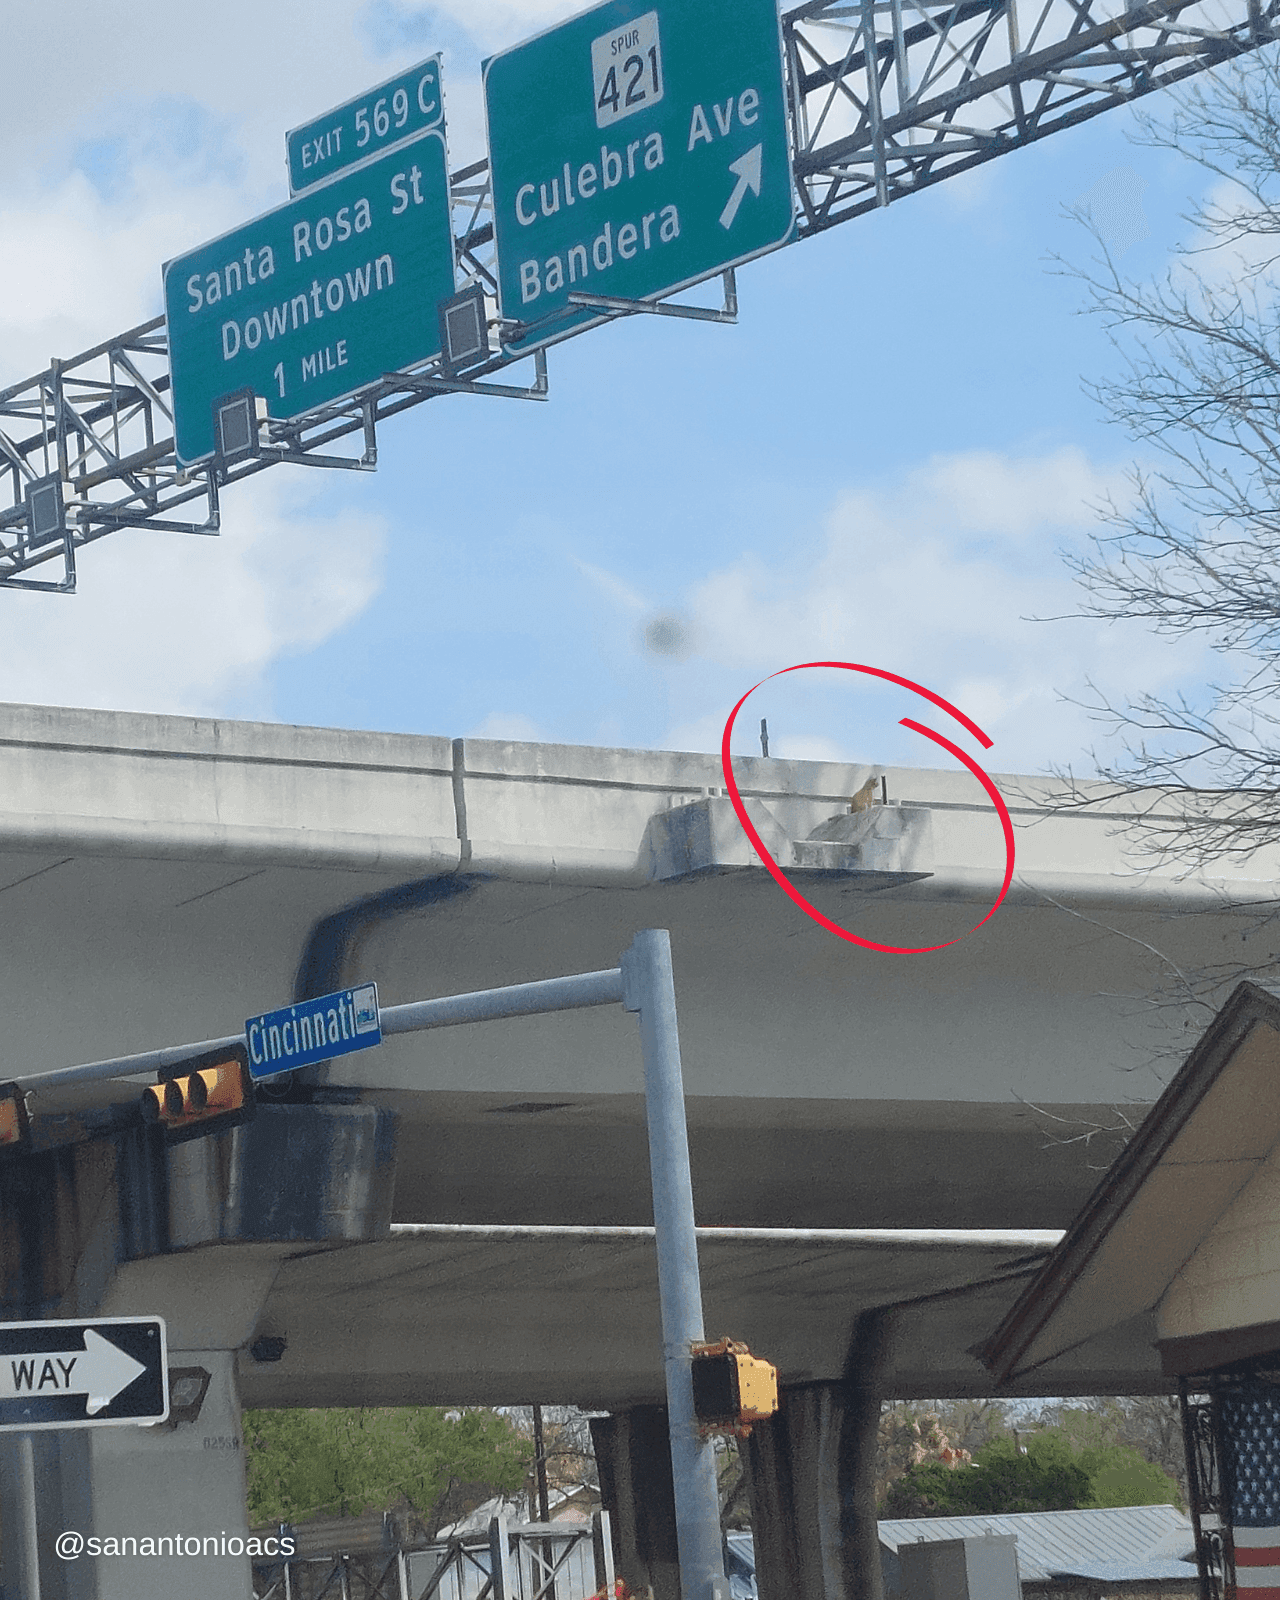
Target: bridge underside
[487, 1318]
[826, 1089]
[161, 880]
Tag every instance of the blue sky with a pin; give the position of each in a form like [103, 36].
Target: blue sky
[879, 463]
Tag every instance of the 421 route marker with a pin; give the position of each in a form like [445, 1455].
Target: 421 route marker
[103, 1372]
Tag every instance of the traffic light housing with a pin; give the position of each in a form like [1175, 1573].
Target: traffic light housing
[203, 1095]
[732, 1389]
[15, 1129]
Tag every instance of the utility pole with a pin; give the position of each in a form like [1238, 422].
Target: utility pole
[544, 1502]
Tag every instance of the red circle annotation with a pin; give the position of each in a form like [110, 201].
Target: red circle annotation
[776, 872]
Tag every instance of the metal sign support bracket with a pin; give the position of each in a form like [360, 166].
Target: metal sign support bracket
[611, 305]
[428, 383]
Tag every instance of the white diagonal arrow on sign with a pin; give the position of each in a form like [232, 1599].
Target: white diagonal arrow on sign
[748, 169]
[99, 1373]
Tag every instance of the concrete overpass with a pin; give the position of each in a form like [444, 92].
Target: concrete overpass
[164, 878]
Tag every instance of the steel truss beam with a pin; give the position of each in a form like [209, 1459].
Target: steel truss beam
[890, 96]
[886, 97]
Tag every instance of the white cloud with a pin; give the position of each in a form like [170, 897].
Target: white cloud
[807, 747]
[493, 24]
[699, 733]
[962, 548]
[77, 269]
[1213, 263]
[256, 69]
[162, 621]
[265, 67]
[507, 725]
[170, 622]
[939, 578]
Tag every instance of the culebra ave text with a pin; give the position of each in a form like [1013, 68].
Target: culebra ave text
[617, 239]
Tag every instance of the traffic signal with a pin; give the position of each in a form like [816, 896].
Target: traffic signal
[732, 1389]
[204, 1094]
[15, 1130]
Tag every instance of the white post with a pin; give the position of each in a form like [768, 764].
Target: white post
[27, 1532]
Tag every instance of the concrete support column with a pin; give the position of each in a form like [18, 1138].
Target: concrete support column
[811, 1474]
[28, 1481]
[194, 1233]
[633, 1454]
[165, 1504]
[179, 1493]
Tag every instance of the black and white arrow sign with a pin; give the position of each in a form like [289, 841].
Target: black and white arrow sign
[83, 1374]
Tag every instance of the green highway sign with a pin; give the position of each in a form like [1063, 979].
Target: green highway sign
[315, 300]
[633, 152]
[386, 116]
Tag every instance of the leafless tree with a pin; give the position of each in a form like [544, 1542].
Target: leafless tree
[1197, 548]
[566, 1441]
[1194, 550]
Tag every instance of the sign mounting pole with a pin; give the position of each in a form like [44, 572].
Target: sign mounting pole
[648, 987]
[27, 1533]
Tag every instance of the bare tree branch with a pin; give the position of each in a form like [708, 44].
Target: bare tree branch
[1196, 549]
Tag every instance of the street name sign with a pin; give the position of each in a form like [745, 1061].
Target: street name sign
[634, 152]
[105, 1372]
[312, 1031]
[317, 299]
[370, 125]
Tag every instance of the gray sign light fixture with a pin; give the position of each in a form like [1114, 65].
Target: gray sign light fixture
[238, 421]
[464, 336]
[46, 511]
[187, 1389]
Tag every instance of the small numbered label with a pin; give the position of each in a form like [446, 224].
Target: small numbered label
[626, 67]
[388, 115]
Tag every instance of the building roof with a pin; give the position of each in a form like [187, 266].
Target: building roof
[1209, 1135]
[1129, 1572]
[740, 1565]
[1110, 1543]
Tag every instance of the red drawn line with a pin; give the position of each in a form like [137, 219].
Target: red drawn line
[776, 872]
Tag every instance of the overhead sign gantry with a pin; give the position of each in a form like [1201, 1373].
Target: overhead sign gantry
[882, 101]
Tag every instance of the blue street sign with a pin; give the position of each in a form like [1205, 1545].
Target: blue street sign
[313, 1031]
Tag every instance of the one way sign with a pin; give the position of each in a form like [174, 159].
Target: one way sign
[112, 1370]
